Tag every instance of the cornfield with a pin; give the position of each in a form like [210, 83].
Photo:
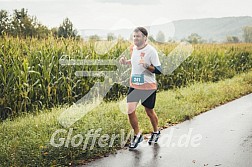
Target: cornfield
[32, 78]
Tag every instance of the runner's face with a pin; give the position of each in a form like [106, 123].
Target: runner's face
[138, 38]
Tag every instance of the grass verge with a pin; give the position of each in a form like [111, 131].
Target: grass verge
[26, 140]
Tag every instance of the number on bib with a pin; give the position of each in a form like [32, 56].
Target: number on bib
[137, 79]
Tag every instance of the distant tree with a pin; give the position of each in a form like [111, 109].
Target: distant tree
[211, 40]
[94, 38]
[183, 40]
[66, 29]
[22, 24]
[171, 40]
[160, 37]
[232, 39]
[247, 34]
[4, 22]
[42, 31]
[110, 36]
[54, 31]
[194, 38]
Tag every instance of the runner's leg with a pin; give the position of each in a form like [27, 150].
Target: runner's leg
[153, 118]
[132, 116]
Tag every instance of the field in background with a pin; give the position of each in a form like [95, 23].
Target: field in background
[32, 79]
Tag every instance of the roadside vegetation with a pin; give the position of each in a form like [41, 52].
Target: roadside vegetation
[26, 140]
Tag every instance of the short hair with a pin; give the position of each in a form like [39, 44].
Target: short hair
[142, 30]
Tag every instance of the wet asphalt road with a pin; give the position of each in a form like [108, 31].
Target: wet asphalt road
[220, 137]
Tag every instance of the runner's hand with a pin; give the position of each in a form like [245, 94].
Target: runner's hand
[145, 65]
[123, 60]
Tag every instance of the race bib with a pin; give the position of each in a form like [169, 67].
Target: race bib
[137, 79]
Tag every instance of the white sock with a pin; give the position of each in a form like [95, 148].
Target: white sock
[139, 134]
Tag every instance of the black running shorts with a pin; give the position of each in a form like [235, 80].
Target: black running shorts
[147, 97]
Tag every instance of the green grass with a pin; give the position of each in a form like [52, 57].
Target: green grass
[26, 140]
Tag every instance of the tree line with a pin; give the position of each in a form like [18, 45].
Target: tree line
[247, 36]
[21, 24]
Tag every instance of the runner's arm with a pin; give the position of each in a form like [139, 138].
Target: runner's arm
[155, 69]
[124, 61]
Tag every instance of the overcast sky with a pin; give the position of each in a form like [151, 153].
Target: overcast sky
[113, 14]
